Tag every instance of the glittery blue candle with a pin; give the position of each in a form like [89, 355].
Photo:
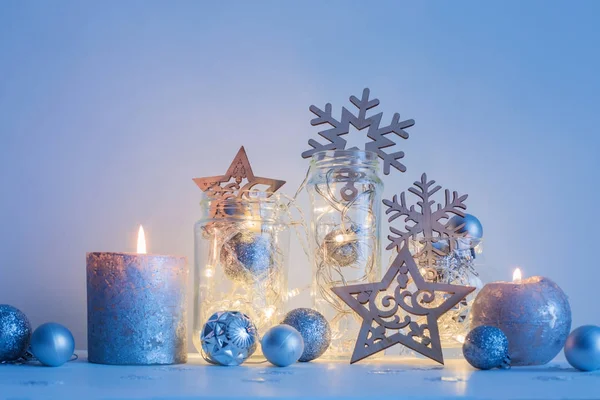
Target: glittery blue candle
[533, 313]
[136, 309]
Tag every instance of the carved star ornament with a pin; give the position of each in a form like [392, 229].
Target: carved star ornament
[387, 309]
[237, 182]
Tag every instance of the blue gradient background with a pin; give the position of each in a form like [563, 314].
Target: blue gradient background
[108, 109]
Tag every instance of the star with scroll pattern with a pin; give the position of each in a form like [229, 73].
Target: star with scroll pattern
[239, 171]
[383, 327]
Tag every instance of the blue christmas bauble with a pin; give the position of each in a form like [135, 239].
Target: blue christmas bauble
[314, 329]
[248, 257]
[282, 345]
[15, 332]
[441, 245]
[52, 344]
[486, 347]
[228, 338]
[582, 348]
[472, 226]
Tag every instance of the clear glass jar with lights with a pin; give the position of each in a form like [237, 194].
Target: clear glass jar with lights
[241, 259]
[345, 193]
[456, 261]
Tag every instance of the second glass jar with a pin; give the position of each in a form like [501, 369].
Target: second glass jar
[345, 193]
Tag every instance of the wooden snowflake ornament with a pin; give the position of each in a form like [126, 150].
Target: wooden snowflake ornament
[387, 309]
[377, 134]
[238, 181]
[430, 223]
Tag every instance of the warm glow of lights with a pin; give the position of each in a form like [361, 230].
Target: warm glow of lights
[517, 276]
[269, 311]
[339, 238]
[460, 339]
[293, 293]
[209, 272]
[141, 244]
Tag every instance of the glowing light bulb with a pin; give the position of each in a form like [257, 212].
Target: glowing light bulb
[339, 238]
[460, 338]
[141, 242]
[517, 276]
[269, 311]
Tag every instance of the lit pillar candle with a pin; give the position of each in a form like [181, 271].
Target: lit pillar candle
[534, 313]
[136, 307]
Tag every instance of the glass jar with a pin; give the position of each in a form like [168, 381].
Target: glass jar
[241, 259]
[345, 193]
[456, 265]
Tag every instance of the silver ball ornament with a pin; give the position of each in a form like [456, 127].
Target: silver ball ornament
[582, 348]
[314, 329]
[282, 345]
[52, 344]
[15, 333]
[340, 247]
[228, 338]
[486, 347]
[247, 257]
[472, 226]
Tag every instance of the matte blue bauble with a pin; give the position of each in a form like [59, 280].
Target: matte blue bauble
[486, 347]
[582, 348]
[52, 344]
[471, 225]
[15, 332]
[282, 345]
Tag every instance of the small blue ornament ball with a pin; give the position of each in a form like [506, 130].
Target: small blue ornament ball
[314, 329]
[282, 345]
[582, 348]
[52, 344]
[486, 347]
[15, 332]
[471, 225]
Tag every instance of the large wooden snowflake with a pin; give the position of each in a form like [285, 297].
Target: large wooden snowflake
[430, 223]
[377, 134]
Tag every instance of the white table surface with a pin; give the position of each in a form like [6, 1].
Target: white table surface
[376, 379]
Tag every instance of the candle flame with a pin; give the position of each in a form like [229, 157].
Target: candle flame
[517, 276]
[141, 243]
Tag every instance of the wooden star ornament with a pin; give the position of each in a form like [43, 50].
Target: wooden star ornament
[238, 181]
[387, 309]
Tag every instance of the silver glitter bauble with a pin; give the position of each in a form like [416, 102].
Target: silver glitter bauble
[486, 347]
[15, 333]
[314, 329]
[247, 257]
[582, 348]
[282, 345]
[228, 338]
[340, 247]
